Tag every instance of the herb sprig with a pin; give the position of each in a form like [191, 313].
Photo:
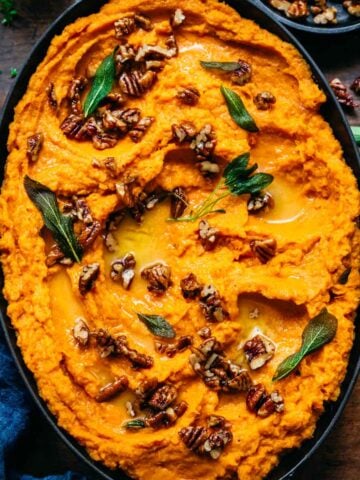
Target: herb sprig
[8, 10]
[356, 132]
[238, 110]
[61, 226]
[320, 330]
[157, 325]
[224, 66]
[238, 179]
[102, 84]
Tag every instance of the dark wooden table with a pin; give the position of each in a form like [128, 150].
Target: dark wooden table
[40, 452]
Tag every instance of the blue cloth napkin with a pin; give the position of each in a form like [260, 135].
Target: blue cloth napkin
[15, 407]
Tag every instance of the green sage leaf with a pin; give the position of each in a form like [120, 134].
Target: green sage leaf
[356, 132]
[102, 84]
[136, 423]
[61, 226]
[238, 111]
[157, 325]
[239, 179]
[224, 66]
[319, 331]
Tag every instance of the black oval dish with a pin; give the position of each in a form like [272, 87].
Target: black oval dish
[346, 22]
[292, 461]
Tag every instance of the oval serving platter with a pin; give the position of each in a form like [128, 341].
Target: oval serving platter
[290, 463]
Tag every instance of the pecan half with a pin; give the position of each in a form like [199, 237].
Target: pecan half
[139, 130]
[34, 144]
[190, 287]
[264, 100]
[55, 255]
[171, 349]
[204, 143]
[163, 397]
[112, 389]
[298, 9]
[51, 96]
[342, 94]
[211, 305]
[242, 75]
[209, 236]
[258, 351]
[81, 332]
[71, 125]
[138, 360]
[188, 96]
[178, 202]
[122, 270]
[108, 164]
[124, 26]
[260, 201]
[74, 94]
[184, 132]
[103, 140]
[210, 441]
[135, 83]
[89, 234]
[265, 249]
[263, 404]
[158, 277]
[204, 332]
[88, 276]
[112, 121]
[353, 7]
[104, 341]
[143, 21]
[328, 16]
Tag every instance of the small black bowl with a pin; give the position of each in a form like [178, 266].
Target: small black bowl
[346, 22]
[291, 462]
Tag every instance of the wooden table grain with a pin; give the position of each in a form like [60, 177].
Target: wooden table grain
[39, 451]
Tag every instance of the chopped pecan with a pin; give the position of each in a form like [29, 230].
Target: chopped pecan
[153, 52]
[139, 130]
[103, 140]
[171, 349]
[209, 168]
[355, 86]
[108, 163]
[184, 132]
[135, 83]
[190, 287]
[326, 16]
[209, 441]
[74, 94]
[204, 143]
[124, 54]
[81, 332]
[264, 100]
[144, 22]
[178, 202]
[72, 124]
[154, 65]
[342, 94]
[188, 96]
[116, 99]
[260, 201]
[51, 96]
[264, 249]
[123, 270]
[204, 332]
[298, 9]
[177, 18]
[88, 276]
[124, 26]
[163, 397]
[112, 389]
[145, 389]
[114, 220]
[281, 5]
[131, 116]
[110, 242]
[89, 233]
[173, 47]
[34, 144]
[130, 409]
[209, 236]
[242, 75]
[167, 417]
[211, 305]
[104, 341]
[263, 404]
[258, 351]
[112, 121]
[353, 7]
[158, 276]
[55, 255]
[138, 360]
[88, 129]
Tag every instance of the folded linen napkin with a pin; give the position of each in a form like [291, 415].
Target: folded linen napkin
[15, 407]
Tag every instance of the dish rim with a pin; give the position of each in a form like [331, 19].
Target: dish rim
[351, 153]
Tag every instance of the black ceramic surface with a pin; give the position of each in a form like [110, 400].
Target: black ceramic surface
[292, 461]
[346, 22]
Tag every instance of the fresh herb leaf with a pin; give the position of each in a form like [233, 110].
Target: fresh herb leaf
[7, 8]
[319, 331]
[60, 225]
[356, 133]
[238, 111]
[157, 325]
[224, 66]
[135, 423]
[102, 84]
[238, 179]
[13, 72]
